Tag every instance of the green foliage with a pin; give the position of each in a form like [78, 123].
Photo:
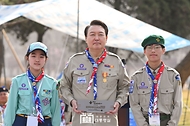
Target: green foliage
[169, 15]
[11, 2]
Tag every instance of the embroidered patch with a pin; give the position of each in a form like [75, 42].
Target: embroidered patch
[23, 87]
[47, 91]
[58, 85]
[143, 86]
[45, 101]
[131, 87]
[81, 80]
[177, 77]
[109, 66]
[81, 67]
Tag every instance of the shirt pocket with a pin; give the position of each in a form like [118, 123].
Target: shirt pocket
[110, 81]
[166, 96]
[46, 96]
[81, 78]
[46, 93]
[144, 97]
[24, 97]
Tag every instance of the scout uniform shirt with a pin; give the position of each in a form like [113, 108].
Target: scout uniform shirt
[21, 99]
[112, 84]
[169, 95]
[2, 109]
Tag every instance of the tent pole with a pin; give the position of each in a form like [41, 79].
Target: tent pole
[12, 49]
[77, 28]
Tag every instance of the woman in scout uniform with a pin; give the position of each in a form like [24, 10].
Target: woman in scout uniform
[3, 103]
[155, 90]
[33, 99]
[95, 74]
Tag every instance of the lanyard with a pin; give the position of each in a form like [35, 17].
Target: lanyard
[34, 98]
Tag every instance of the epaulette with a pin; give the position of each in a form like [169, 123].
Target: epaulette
[113, 54]
[139, 71]
[177, 75]
[49, 77]
[171, 69]
[74, 55]
[20, 75]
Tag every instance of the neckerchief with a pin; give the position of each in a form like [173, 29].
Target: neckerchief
[36, 96]
[62, 110]
[2, 109]
[153, 105]
[93, 78]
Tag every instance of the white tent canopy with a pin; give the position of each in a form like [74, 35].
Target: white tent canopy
[124, 31]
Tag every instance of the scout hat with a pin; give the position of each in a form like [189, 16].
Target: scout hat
[3, 89]
[153, 39]
[37, 45]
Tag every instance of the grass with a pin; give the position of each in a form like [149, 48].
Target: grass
[185, 117]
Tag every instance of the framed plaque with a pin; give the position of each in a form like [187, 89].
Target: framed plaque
[95, 106]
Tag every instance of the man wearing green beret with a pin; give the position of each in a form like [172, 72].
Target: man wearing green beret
[155, 90]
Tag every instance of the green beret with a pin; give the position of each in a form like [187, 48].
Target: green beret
[153, 39]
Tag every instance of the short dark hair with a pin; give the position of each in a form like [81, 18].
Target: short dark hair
[96, 22]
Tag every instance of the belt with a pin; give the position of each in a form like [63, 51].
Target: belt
[24, 115]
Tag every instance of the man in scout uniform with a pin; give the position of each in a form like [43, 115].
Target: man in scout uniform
[95, 74]
[3, 101]
[155, 90]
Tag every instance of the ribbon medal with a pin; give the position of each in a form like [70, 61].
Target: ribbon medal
[104, 75]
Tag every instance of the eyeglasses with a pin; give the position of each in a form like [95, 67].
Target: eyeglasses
[150, 48]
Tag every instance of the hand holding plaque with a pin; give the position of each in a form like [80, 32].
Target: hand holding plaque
[95, 106]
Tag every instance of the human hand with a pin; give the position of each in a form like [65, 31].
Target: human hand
[74, 106]
[116, 108]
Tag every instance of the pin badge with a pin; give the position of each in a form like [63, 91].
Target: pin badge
[104, 80]
[34, 83]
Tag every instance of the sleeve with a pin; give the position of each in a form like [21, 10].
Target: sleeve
[134, 103]
[55, 107]
[11, 108]
[123, 84]
[66, 85]
[177, 101]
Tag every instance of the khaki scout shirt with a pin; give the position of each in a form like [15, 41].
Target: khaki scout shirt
[77, 76]
[169, 95]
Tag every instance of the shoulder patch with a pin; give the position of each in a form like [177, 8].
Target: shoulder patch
[131, 87]
[58, 85]
[177, 77]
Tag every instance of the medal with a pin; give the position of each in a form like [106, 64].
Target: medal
[104, 80]
[34, 83]
[104, 74]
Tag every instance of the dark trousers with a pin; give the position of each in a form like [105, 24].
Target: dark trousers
[22, 121]
[164, 118]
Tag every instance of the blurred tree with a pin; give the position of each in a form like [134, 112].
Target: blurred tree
[172, 16]
[22, 27]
